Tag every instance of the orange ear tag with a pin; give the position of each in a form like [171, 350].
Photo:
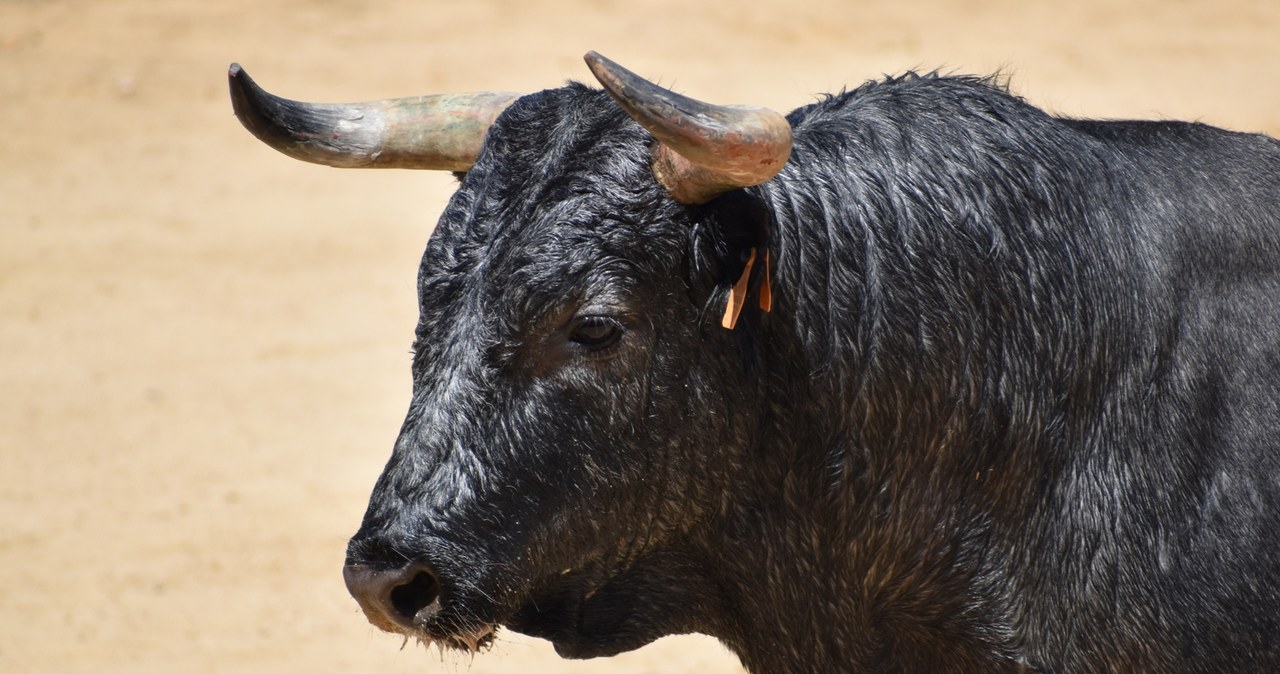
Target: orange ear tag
[738, 295]
[766, 293]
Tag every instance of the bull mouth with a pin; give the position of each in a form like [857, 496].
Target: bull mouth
[595, 610]
[473, 641]
[556, 611]
[553, 611]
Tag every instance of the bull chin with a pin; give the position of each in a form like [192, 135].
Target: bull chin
[663, 593]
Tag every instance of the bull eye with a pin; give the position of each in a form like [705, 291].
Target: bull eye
[596, 332]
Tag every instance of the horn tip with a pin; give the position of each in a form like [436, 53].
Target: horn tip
[605, 69]
[243, 95]
[270, 119]
[597, 63]
[239, 79]
[241, 84]
[613, 77]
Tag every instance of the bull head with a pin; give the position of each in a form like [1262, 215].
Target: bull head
[567, 387]
[703, 151]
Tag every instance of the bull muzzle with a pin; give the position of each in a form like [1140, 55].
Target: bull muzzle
[394, 599]
[408, 600]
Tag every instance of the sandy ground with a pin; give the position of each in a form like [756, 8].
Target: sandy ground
[204, 344]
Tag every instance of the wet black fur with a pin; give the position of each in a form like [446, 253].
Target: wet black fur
[1015, 409]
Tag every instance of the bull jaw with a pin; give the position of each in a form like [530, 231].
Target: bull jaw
[584, 616]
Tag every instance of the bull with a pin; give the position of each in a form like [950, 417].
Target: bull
[918, 378]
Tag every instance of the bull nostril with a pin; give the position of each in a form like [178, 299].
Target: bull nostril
[419, 593]
[395, 599]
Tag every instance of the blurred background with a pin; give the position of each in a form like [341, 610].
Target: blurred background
[204, 345]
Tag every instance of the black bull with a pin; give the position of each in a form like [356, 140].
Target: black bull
[917, 379]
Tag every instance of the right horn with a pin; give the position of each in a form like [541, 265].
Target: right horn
[442, 132]
[704, 150]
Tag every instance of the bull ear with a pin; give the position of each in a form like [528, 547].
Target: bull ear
[441, 132]
[704, 150]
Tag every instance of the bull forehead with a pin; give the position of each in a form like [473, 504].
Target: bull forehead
[561, 205]
[550, 159]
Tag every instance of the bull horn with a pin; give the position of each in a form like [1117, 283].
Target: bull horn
[440, 132]
[704, 150]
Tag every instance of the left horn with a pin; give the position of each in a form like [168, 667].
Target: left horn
[441, 132]
[704, 150]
